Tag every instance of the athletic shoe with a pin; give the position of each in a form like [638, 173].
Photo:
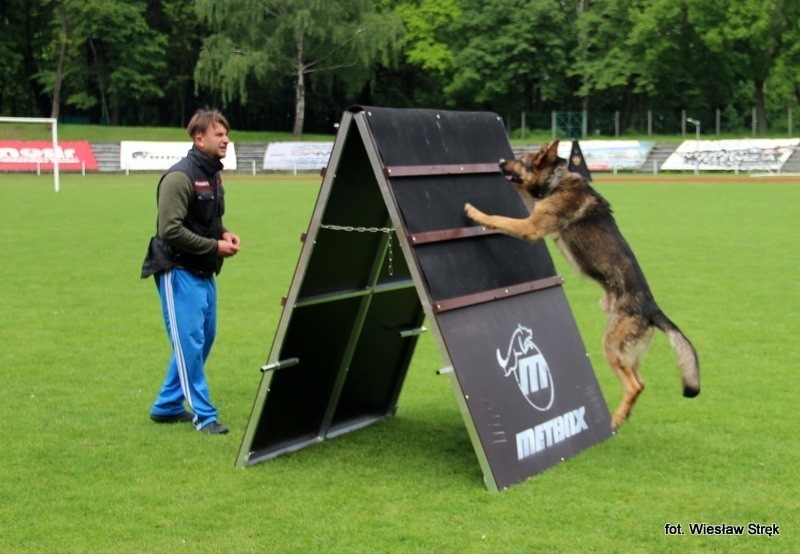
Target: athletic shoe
[177, 418]
[214, 428]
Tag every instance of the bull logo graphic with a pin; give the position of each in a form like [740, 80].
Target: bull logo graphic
[526, 363]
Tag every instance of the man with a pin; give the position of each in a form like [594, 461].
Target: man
[184, 257]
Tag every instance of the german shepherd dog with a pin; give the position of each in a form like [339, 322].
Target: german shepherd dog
[563, 205]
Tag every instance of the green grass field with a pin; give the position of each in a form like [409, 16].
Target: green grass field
[82, 468]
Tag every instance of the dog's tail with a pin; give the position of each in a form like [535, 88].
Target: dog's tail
[688, 362]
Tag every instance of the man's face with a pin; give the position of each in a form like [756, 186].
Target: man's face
[214, 142]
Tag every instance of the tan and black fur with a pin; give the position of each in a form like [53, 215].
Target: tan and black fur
[563, 205]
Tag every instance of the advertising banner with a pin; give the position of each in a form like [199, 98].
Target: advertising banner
[157, 156]
[39, 155]
[607, 155]
[731, 155]
[297, 156]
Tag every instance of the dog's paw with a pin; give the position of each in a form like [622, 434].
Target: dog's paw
[618, 419]
[472, 212]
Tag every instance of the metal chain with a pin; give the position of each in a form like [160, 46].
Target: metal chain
[387, 230]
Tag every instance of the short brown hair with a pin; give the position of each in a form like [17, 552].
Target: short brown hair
[203, 119]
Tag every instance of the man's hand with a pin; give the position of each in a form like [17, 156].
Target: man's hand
[229, 245]
[230, 237]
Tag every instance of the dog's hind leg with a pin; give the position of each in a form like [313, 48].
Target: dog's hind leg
[625, 342]
[631, 388]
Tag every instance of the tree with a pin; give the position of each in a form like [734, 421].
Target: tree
[604, 62]
[677, 68]
[750, 36]
[107, 56]
[427, 40]
[257, 41]
[426, 54]
[23, 35]
[784, 81]
[62, 43]
[673, 54]
[177, 21]
[510, 55]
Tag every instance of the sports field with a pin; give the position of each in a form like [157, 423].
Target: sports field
[82, 468]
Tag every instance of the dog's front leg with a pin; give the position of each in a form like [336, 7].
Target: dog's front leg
[526, 229]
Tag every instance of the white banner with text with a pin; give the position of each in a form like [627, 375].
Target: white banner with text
[297, 156]
[138, 155]
[731, 155]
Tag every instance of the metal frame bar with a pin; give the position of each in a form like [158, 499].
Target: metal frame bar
[344, 295]
[439, 169]
[450, 234]
[496, 294]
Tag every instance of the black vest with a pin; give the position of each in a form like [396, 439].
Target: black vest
[203, 217]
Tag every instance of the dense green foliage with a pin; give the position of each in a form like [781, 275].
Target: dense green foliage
[82, 468]
[285, 38]
[296, 64]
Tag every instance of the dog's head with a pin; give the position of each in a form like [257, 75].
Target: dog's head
[532, 173]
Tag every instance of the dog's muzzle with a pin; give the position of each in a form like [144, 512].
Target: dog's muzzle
[509, 175]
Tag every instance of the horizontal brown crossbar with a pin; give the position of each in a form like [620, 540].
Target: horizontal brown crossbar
[449, 234]
[495, 294]
[452, 169]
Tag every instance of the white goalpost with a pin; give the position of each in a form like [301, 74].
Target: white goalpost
[54, 128]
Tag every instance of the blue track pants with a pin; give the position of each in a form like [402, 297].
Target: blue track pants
[189, 304]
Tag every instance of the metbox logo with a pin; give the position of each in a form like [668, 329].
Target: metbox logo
[526, 363]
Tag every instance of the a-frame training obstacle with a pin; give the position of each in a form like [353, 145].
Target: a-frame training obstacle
[389, 246]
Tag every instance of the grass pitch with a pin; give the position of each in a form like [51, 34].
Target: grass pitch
[83, 469]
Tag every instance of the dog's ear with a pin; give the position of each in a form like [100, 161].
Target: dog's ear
[552, 152]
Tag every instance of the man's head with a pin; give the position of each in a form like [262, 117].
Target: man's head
[209, 131]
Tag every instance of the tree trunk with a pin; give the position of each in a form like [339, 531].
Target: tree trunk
[104, 115]
[299, 94]
[761, 112]
[62, 54]
[586, 105]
